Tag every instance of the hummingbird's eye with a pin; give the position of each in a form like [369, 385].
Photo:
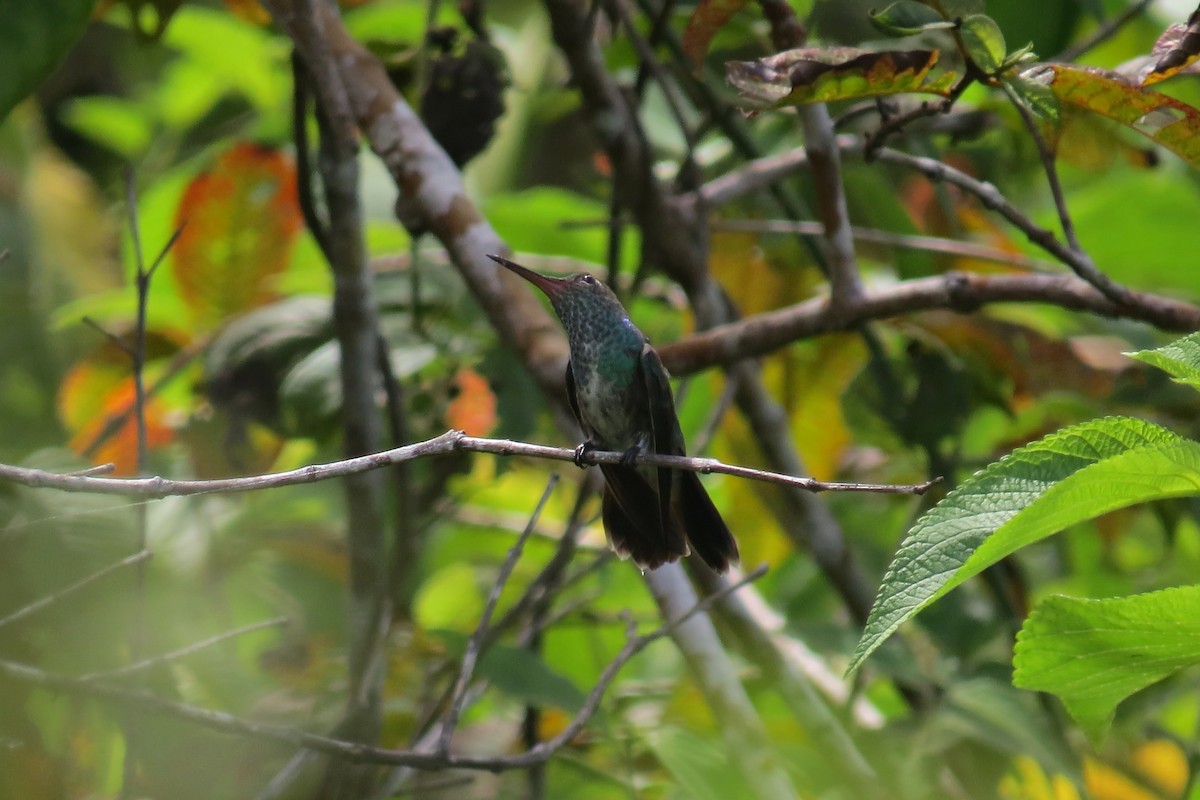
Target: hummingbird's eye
[588, 279]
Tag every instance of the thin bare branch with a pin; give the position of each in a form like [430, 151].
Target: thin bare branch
[1082, 264]
[448, 442]
[51, 599]
[1103, 33]
[175, 655]
[908, 241]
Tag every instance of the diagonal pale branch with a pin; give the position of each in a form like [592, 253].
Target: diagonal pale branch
[449, 442]
[354, 751]
[175, 655]
[50, 599]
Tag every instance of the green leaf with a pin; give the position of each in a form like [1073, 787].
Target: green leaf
[450, 599]
[1022, 56]
[811, 75]
[119, 124]
[520, 673]
[1038, 490]
[35, 36]
[1095, 653]
[984, 42]
[908, 18]
[525, 676]
[1035, 96]
[1180, 359]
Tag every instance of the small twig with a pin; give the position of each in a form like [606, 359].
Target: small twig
[175, 655]
[1103, 33]
[449, 442]
[317, 226]
[116, 340]
[99, 469]
[475, 643]
[355, 751]
[48, 600]
[114, 421]
[893, 124]
[645, 53]
[1082, 264]
[932, 244]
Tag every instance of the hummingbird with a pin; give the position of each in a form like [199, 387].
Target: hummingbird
[620, 394]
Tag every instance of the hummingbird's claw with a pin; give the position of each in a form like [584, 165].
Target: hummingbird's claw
[583, 451]
[629, 457]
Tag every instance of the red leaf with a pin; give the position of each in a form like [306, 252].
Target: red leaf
[240, 222]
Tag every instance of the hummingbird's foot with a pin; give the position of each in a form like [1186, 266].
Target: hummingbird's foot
[583, 451]
[629, 457]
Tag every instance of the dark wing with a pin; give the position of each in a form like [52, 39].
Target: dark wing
[706, 532]
[667, 437]
[571, 398]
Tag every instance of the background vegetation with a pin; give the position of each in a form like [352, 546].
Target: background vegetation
[323, 186]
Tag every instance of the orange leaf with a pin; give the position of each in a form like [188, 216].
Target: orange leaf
[242, 217]
[120, 448]
[474, 408]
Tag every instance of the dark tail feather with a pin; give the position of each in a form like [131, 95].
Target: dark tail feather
[706, 531]
[630, 514]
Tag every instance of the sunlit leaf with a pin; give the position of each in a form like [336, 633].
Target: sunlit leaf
[240, 221]
[908, 18]
[1093, 653]
[819, 75]
[708, 17]
[1038, 490]
[1169, 122]
[1164, 763]
[449, 600]
[1180, 359]
[984, 42]
[1176, 50]
[33, 38]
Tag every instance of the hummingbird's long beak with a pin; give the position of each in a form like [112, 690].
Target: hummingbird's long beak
[550, 286]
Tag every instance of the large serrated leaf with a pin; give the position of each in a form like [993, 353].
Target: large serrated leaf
[1068, 477]
[795, 77]
[1180, 359]
[1095, 653]
[1169, 122]
[35, 36]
